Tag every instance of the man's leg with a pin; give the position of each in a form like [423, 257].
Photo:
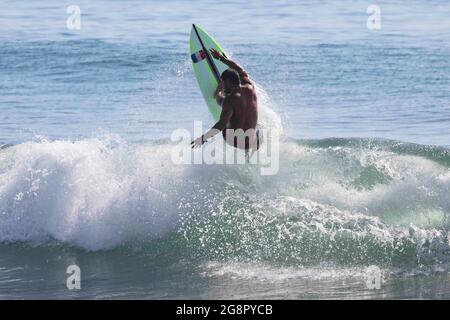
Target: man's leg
[258, 144]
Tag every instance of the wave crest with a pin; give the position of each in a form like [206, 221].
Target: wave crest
[347, 202]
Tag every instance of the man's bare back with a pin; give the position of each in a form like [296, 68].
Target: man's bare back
[237, 96]
[244, 117]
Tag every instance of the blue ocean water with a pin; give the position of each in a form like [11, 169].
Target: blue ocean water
[85, 174]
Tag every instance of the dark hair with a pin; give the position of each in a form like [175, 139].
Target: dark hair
[230, 75]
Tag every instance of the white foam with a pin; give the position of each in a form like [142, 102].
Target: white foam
[265, 272]
[85, 193]
[101, 193]
[267, 118]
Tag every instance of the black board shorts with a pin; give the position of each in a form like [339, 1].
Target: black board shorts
[247, 142]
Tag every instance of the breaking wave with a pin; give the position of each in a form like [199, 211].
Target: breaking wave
[347, 202]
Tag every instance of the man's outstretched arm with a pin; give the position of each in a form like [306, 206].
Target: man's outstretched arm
[225, 116]
[231, 64]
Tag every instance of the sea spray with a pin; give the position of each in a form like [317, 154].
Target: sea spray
[324, 206]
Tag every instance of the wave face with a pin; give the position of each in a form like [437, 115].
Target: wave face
[336, 201]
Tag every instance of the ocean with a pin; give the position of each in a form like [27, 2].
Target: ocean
[86, 170]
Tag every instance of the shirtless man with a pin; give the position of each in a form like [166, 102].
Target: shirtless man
[237, 96]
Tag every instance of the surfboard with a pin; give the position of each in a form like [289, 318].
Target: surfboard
[207, 70]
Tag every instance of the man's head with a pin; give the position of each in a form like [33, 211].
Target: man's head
[230, 79]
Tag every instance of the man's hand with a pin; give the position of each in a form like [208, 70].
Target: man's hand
[216, 54]
[197, 143]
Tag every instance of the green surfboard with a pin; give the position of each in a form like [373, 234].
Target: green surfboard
[207, 69]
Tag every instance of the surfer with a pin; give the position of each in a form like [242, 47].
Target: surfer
[236, 93]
